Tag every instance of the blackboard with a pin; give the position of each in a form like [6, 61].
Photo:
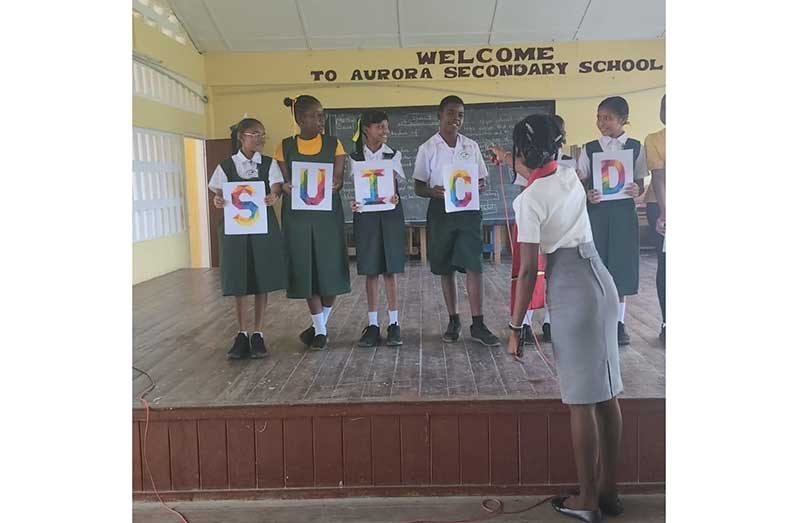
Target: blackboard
[488, 124]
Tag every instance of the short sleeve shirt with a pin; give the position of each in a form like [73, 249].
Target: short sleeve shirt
[247, 168]
[398, 171]
[612, 144]
[308, 147]
[435, 154]
[655, 157]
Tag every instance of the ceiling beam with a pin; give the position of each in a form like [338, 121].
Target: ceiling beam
[216, 26]
[492, 21]
[302, 24]
[399, 25]
[581, 20]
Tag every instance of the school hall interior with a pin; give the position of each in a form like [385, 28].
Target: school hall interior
[424, 419]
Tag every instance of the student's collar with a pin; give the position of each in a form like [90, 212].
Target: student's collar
[255, 157]
[608, 139]
[439, 139]
[383, 149]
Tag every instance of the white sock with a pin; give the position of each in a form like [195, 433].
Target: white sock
[393, 317]
[373, 320]
[528, 318]
[621, 311]
[318, 323]
[326, 311]
[546, 317]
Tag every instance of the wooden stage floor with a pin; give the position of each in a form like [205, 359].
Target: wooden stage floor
[183, 327]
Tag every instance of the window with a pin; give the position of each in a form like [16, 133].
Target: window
[158, 185]
[154, 85]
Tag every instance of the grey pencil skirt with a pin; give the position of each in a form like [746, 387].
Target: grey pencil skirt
[583, 306]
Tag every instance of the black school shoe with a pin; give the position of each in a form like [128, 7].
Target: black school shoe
[240, 348]
[394, 335]
[307, 335]
[588, 516]
[370, 337]
[257, 346]
[611, 506]
[319, 342]
[547, 332]
[623, 338]
[452, 333]
[526, 334]
[483, 335]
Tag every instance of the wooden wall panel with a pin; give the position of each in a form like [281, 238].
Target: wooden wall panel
[328, 463]
[212, 436]
[504, 458]
[652, 447]
[415, 450]
[137, 484]
[386, 450]
[357, 450]
[561, 454]
[241, 453]
[474, 450]
[534, 448]
[155, 452]
[445, 450]
[269, 453]
[184, 455]
[298, 448]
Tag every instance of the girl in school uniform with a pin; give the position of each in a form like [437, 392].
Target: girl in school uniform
[614, 223]
[249, 263]
[552, 218]
[506, 157]
[315, 242]
[379, 236]
[454, 240]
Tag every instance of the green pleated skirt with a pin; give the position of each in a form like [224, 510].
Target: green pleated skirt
[616, 235]
[454, 240]
[380, 241]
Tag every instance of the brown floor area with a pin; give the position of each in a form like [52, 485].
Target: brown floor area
[182, 329]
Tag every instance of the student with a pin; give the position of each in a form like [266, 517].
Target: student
[552, 218]
[379, 236]
[655, 205]
[318, 265]
[454, 240]
[507, 158]
[614, 223]
[249, 263]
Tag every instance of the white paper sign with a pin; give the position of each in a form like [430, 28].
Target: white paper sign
[461, 187]
[311, 186]
[374, 186]
[245, 211]
[612, 171]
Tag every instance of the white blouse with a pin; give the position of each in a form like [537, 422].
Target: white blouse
[435, 154]
[247, 169]
[609, 144]
[398, 171]
[552, 212]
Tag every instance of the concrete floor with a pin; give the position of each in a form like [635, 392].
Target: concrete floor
[639, 509]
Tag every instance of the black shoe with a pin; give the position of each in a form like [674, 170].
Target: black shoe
[257, 346]
[307, 335]
[662, 333]
[526, 333]
[547, 332]
[394, 335]
[370, 337]
[452, 333]
[588, 516]
[319, 342]
[240, 348]
[481, 333]
[611, 506]
[623, 338]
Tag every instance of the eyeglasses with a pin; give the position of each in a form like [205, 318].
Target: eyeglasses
[256, 136]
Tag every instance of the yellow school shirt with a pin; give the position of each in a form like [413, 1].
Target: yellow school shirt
[655, 159]
[308, 147]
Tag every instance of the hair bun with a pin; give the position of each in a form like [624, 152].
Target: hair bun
[288, 102]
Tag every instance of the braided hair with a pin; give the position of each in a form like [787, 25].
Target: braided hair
[369, 117]
[300, 104]
[536, 139]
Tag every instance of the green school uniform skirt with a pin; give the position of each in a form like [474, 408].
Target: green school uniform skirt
[380, 241]
[617, 239]
[454, 240]
[252, 263]
[315, 243]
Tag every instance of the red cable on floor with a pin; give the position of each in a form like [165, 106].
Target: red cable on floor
[496, 510]
[143, 400]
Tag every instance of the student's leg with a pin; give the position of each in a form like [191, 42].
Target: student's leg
[449, 292]
[260, 306]
[474, 287]
[317, 314]
[661, 283]
[326, 306]
[610, 426]
[314, 304]
[584, 436]
[390, 290]
[240, 312]
[372, 297]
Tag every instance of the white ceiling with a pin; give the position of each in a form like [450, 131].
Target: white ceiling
[277, 25]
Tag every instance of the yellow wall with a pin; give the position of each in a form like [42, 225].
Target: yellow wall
[155, 257]
[256, 83]
[193, 190]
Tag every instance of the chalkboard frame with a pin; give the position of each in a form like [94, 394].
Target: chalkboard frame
[546, 106]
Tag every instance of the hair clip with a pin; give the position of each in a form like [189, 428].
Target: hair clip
[356, 135]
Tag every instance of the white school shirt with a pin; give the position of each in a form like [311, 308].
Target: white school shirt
[435, 154]
[552, 212]
[608, 144]
[246, 169]
[398, 171]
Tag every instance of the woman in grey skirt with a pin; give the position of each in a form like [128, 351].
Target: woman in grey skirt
[551, 215]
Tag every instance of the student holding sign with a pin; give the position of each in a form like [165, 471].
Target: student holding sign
[249, 263]
[378, 220]
[312, 164]
[552, 218]
[612, 169]
[450, 171]
[654, 198]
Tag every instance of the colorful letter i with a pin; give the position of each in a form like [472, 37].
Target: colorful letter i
[373, 175]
